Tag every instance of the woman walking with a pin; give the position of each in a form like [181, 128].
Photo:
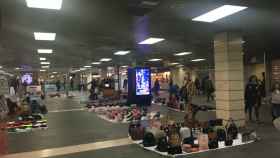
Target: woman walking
[275, 101]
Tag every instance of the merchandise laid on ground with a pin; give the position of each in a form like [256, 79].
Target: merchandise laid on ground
[139, 78]
[182, 139]
[119, 112]
[27, 123]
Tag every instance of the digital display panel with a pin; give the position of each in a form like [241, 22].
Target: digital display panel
[26, 78]
[143, 77]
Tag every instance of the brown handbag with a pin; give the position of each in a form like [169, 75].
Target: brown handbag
[174, 139]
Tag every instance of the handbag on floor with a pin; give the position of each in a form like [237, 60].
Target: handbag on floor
[162, 144]
[174, 138]
[149, 140]
[213, 144]
[203, 141]
[232, 130]
[135, 131]
[157, 133]
[185, 132]
[175, 150]
[221, 133]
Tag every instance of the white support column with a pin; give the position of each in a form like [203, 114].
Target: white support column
[229, 77]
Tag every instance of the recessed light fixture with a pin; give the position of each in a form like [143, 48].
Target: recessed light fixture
[183, 53]
[87, 66]
[122, 52]
[43, 59]
[155, 60]
[219, 13]
[45, 67]
[44, 36]
[96, 63]
[42, 70]
[197, 60]
[152, 40]
[45, 63]
[105, 59]
[44, 4]
[45, 51]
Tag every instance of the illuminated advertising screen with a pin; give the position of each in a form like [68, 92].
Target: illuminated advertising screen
[143, 77]
[26, 78]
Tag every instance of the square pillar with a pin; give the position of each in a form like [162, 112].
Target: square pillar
[229, 77]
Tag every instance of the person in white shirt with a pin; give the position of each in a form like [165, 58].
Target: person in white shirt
[275, 101]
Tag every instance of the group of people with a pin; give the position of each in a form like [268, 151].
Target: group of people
[188, 89]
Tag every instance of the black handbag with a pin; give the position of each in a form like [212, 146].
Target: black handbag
[229, 142]
[136, 131]
[221, 134]
[149, 140]
[162, 145]
[213, 144]
[232, 130]
[189, 140]
[175, 150]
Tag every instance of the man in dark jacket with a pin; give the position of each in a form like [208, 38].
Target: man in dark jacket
[252, 94]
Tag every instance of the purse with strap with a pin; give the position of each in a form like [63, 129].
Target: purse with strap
[232, 130]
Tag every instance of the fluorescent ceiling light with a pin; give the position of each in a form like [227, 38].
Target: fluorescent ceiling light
[45, 67]
[124, 66]
[87, 66]
[180, 65]
[96, 63]
[155, 60]
[44, 4]
[121, 52]
[1, 67]
[197, 60]
[44, 51]
[17, 68]
[44, 36]
[43, 59]
[151, 40]
[105, 59]
[82, 69]
[183, 53]
[219, 13]
[42, 70]
[174, 63]
[45, 63]
[54, 72]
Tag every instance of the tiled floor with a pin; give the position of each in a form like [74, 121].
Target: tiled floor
[75, 133]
